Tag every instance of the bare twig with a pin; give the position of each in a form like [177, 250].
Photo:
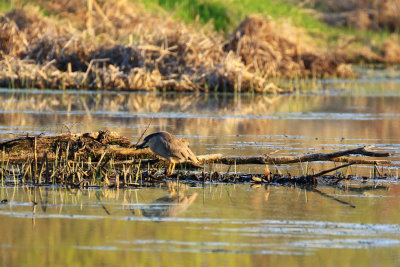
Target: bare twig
[144, 131]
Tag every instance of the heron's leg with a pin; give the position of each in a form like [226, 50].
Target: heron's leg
[169, 169]
[173, 168]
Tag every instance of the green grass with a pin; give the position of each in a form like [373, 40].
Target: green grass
[190, 11]
[5, 6]
[225, 15]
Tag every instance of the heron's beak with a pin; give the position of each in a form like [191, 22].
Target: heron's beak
[142, 145]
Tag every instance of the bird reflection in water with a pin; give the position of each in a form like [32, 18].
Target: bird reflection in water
[172, 204]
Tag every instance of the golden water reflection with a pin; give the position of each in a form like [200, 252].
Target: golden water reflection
[225, 224]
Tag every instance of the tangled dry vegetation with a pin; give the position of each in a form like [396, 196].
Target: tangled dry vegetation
[107, 159]
[116, 45]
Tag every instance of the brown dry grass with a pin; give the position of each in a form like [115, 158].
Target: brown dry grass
[271, 50]
[116, 45]
[364, 15]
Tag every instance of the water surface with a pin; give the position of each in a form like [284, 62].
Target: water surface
[225, 224]
[210, 225]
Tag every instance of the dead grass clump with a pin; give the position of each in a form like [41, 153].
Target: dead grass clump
[115, 21]
[21, 28]
[19, 73]
[363, 54]
[264, 48]
[12, 39]
[391, 50]
[387, 53]
[363, 15]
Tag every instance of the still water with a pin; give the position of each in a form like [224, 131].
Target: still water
[209, 225]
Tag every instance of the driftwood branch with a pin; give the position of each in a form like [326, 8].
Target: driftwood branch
[334, 156]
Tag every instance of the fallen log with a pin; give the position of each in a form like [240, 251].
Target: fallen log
[334, 156]
[111, 145]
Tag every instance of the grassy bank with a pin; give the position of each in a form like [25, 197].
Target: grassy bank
[176, 45]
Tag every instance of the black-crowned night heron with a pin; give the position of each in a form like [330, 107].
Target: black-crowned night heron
[173, 149]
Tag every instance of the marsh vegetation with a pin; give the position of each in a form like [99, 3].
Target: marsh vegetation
[121, 45]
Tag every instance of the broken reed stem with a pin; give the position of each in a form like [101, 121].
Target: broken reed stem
[14, 177]
[90, 67]
[35, 159]
[138, 171]
[2, 168]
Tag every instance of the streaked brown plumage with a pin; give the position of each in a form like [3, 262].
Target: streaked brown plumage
[171, 148]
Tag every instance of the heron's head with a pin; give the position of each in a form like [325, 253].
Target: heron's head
[144, 144]
[148, 140]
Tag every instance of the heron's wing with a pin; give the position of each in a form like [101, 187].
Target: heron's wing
[179, 150]
[166, 147]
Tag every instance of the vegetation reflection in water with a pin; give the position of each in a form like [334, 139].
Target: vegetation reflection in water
[234, 225]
